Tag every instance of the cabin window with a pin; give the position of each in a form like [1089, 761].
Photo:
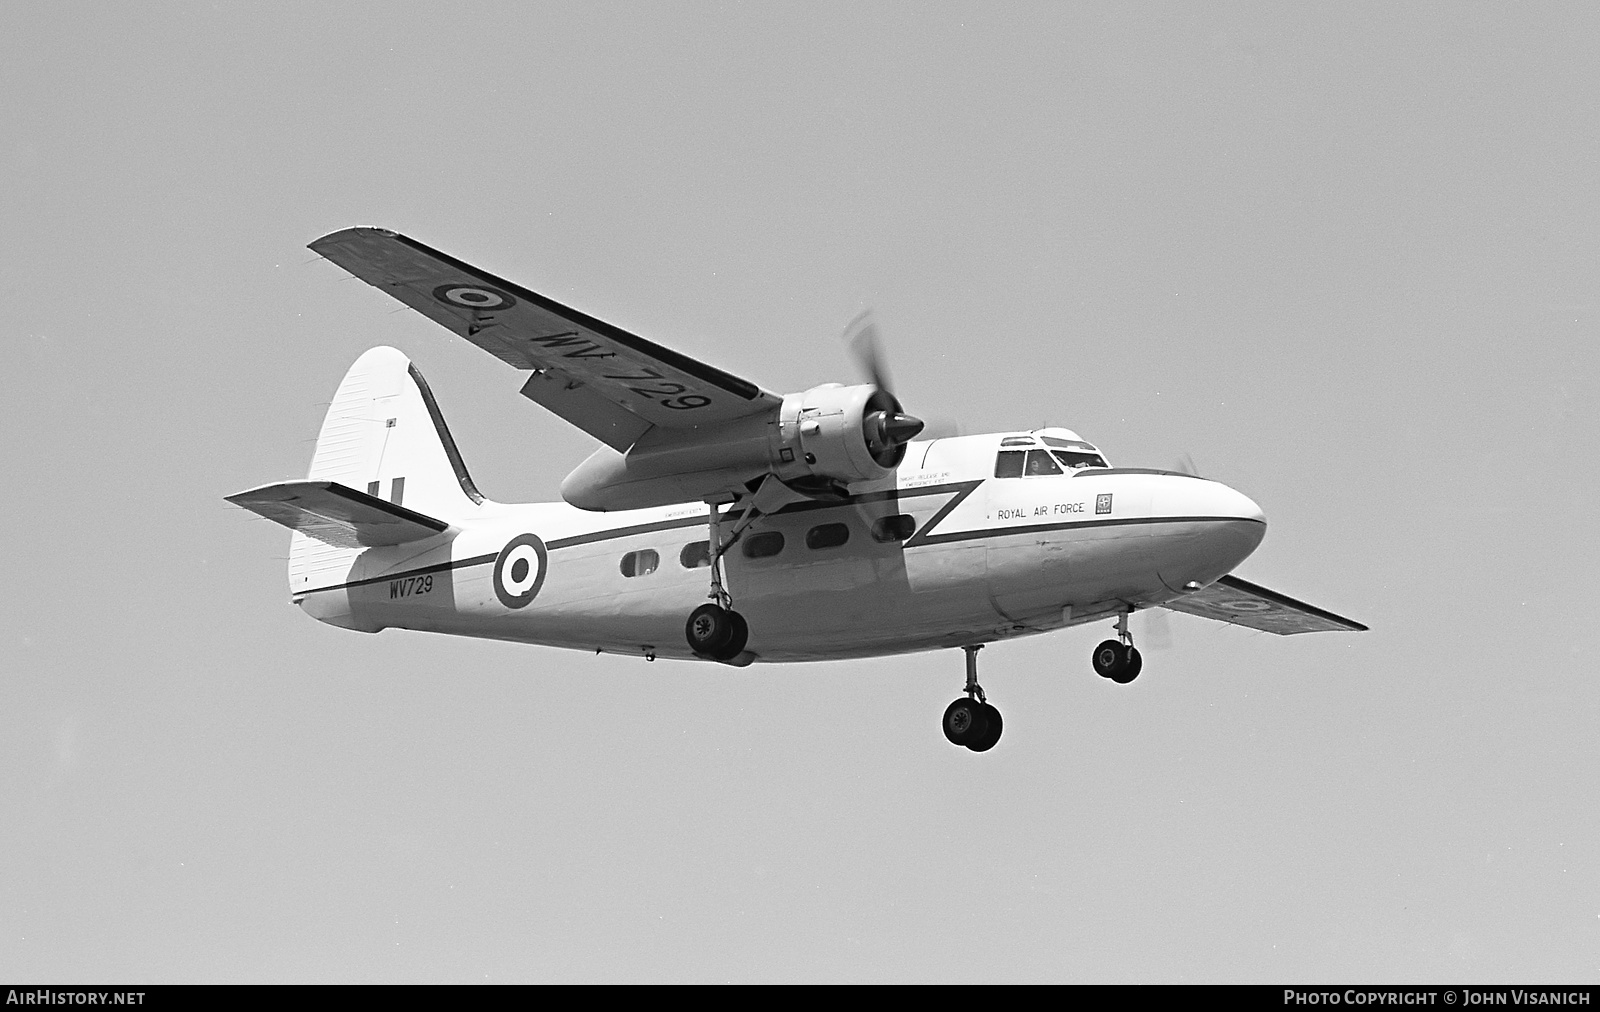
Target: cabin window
[1009, 463]
[895, 528]
[827, 536]
[641, 563]
[695, 554]
[763, 545]
[1039, 462]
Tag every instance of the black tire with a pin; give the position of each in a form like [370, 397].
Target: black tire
[1110, 658]
[709, 630]
[992, 733]
[1130, 669]
[965, 721]
[736, 639]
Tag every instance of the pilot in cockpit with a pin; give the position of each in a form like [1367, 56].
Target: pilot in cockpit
[1062, 456]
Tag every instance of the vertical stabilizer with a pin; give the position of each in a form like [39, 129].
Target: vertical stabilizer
[383, 435]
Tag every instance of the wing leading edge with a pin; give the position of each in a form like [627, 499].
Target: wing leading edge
[1241, 602]
[614, 385]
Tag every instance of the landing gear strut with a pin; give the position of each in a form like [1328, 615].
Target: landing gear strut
[715, 631]
[971, 721]
[1118, 659]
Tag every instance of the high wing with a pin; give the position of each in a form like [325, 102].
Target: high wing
[338, 515]
[614, 385]
[1240, 602]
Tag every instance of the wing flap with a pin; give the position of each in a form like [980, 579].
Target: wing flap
[656, 385]
[573, 400]
[337, 514]
[1240, 602]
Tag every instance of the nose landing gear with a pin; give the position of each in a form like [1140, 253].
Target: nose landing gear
[1119, 659]
[970, 721]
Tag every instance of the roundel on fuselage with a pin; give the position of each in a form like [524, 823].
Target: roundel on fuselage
[519, 571]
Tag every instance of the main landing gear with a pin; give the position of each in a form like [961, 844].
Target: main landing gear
[971, 721]
[714, 630]
[1118, 659]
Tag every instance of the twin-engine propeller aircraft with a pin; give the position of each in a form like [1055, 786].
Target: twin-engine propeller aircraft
[724, 522]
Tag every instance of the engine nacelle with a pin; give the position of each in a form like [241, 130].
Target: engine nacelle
[819, 441]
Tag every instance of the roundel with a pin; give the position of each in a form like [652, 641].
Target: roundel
[1245, 606]
[473, 297]
[519, 571]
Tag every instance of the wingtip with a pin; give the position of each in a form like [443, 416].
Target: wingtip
[347, 234]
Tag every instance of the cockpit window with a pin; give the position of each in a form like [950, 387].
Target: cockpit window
[1009, 463]
[1075, 459]
[1019, 463]
[1018, 441]
[1039, 462]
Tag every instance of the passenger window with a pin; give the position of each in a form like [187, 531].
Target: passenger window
[895, 528]
[641, 563]
[1039, 462]
[1009, 463]
[827, 536]
[763, 545]
[695, 554]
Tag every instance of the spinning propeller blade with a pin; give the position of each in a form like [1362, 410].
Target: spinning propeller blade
[886, 427]
[862, 339]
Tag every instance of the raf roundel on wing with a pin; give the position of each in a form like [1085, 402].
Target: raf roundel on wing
[473, 297]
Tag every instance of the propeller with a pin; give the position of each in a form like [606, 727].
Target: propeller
[861, 337]
[886, 427]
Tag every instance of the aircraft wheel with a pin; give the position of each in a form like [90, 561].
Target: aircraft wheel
[965, 722]
[710, 630]
[737, 640]
[1110, 658]
[1131, 667]
[992, 733]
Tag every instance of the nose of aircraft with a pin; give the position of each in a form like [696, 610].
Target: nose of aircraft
[1213, 529]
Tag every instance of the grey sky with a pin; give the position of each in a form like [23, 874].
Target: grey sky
[1344, 257]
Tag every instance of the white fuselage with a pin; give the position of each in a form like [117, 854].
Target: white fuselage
[988, 558]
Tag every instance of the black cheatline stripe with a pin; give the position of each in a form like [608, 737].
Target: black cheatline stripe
[450, 450]
[1101, 472]
[1245, 586]
[683, 363]
[437, 567]
[623, 532]
[887, 495]
[938, 539]
[997, 532]
[650, 528]
[962, 490]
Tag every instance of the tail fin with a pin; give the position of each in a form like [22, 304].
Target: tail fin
[384, 436]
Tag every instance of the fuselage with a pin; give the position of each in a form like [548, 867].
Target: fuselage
[946, 553]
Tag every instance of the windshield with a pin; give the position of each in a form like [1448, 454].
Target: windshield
[1074, 453]
[1078, 458]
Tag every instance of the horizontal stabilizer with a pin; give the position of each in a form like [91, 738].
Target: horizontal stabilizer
[337, 514]
[1240, 602]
